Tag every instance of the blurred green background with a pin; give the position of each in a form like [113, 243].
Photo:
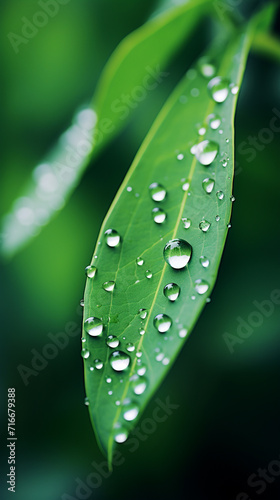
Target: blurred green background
[226, 425]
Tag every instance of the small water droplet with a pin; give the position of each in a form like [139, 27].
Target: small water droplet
[82, 303]
[206, 152]
[214, 121]
[120, 435]
[159, 215]
[143, 313]
[108, 286]
[201, 286]
[85, 353]
[141, 370]
[129, 189]
[93, 326]
[130, 347]
[206, 68]
[112, 238]
[204, 261]
[130, 412]
[220, 195]
[232, 198]
[172, 291]
[165, 361]
[98, 364]
[202, 131]
[119, 361]
[139, 385]
[187, 222]
[217, 218]
[90, 271]
[185, 186]
[234, 88]
[227, 141]
[112, 341]
[183, 333]
[148, 274]
[158, 193]
[219, 88]
[108, 380]
[229, 225]
[208, 185]
[139, 261]
[180, 156]
[86, 401]
[162, 323]
[204, 225]
[160, 356]
[141, 331]
[177, 253]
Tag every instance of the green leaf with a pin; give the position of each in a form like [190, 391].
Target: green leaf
[138, 61]
[174, 132]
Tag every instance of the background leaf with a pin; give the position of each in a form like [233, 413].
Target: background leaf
[194, 212]
[136, 66]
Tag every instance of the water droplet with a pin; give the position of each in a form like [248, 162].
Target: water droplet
[108, 286]
[227, 141]
[232, 198]
[180, 156]
[219, 88]
[165, 361]
[142, 370]
[206, 68]
[229, 225]
[220, 195]
[148, 274]
[183, 333]
[208, 185]
[98, 364]
[201, 286]
[204, 261]
[90, 271]
[160, 356]
[139, 354]
[110, 393]
[162, 323]
[86, 401]
[130, 347]
[172, 291]
[108, 380]
[82, 303]
[139, 385]
[93, 326]
[217, 218]
[234, 88]
[83, 339]
[202, 131]
[112, 341]
[120, 435]
[85, 353]
[139, 261]
[204, 225]
[187, 222]
[177, 253]
[158, 193]
[206, 152]
[195, 92]
[112, 238]
[129, 189]
[185, 186]
[119, 361]
[214, 121]
[130, 412]
[159, 215]
[143, 313]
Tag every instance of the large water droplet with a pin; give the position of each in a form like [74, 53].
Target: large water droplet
[130, 412]
[162, 323]
[90, 271]
[112, 341]
[139, 261]
[206, 152]
[219, 88]
[119, 361]
[139, 385]
[208, 185]
[112, 238]
[204, 225]
[172, 291]
[204, 261]
[159, 215]
[120, 435]
[157, 191]
[108, 286]
[177, 253]
[201, 286]
[93, 326]
[214, 121]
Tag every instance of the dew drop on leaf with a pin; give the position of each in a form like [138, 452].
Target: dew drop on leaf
[86, 402]
[148, 274]
[219, 88]
[141, 370]
[93, 326]
[112, 341]
[171, 291]
[139, 261]
[183, 333]
[220, 195]
[82, 303]
[112, 238]
[206, 152]
[208, 185]
[234, 88]
[187, 222]
[108, 286]
[139, 385]
[85, 353]
[98, 364]
[120, 435]
[180, 156]
[158, 193]
[217, 218]
[206, 68]
[130, 412]
[143, 313]
[201, 286]
[177, 253]
[204, 225]
[162, 323]
[130, 347]
[90, 271]
[214, 121]
[204, 261]
[159, 215]
[119, 361]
